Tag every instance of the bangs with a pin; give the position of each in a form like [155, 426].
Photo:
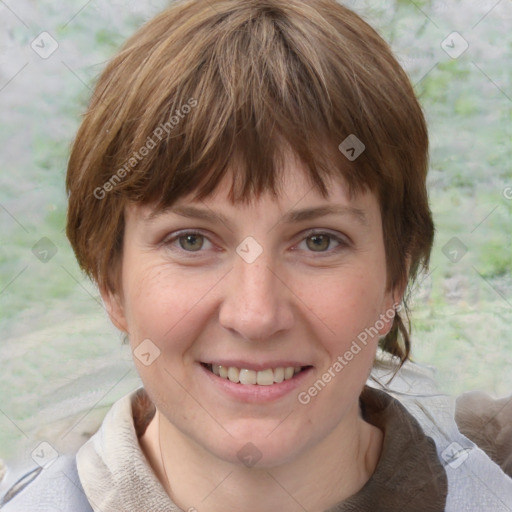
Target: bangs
[237, 103]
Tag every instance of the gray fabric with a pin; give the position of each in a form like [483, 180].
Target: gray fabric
[409, 476]
[54, 489]
[116, 476]
[475, 482]
[114, 471]
[488, 423]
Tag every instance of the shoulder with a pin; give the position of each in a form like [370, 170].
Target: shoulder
[475, 482]
[50, 489]
[58, 486]
[487, 421]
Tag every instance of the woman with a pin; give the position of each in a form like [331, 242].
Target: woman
[248, 191]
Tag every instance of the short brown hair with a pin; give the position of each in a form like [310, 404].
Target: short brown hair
[213, 85]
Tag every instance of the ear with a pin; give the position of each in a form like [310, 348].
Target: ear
[115, 309]
[399, 290]
[393, 303]
[387, 316]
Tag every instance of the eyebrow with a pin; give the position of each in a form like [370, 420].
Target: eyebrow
[292, 217]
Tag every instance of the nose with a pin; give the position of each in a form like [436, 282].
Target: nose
[256, 303]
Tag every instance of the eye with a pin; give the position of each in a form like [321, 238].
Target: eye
[315, 241]
[322, 242]
[193, 242]
[188, 241]
[318, 242]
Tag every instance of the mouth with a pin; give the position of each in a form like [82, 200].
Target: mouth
[265, 377]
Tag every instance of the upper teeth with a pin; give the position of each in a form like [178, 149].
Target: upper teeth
[263, 378]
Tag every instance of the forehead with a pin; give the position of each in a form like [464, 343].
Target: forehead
[293, 184]
[297, 200]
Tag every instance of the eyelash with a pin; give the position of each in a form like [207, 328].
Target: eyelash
[342, 242]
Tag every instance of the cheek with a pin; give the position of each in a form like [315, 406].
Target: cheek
[164, 313]
[345, 303]
[165, 306]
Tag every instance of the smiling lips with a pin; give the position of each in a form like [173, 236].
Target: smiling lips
[265, 377]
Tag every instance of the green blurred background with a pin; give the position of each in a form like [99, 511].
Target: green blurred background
[62, 363]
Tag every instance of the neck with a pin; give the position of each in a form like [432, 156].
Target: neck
[316, 480]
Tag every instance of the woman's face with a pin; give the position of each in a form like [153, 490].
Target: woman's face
[288, 293]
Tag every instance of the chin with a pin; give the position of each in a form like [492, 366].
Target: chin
[258, 451]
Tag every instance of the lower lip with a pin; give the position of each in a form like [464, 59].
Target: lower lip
[254, 393]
